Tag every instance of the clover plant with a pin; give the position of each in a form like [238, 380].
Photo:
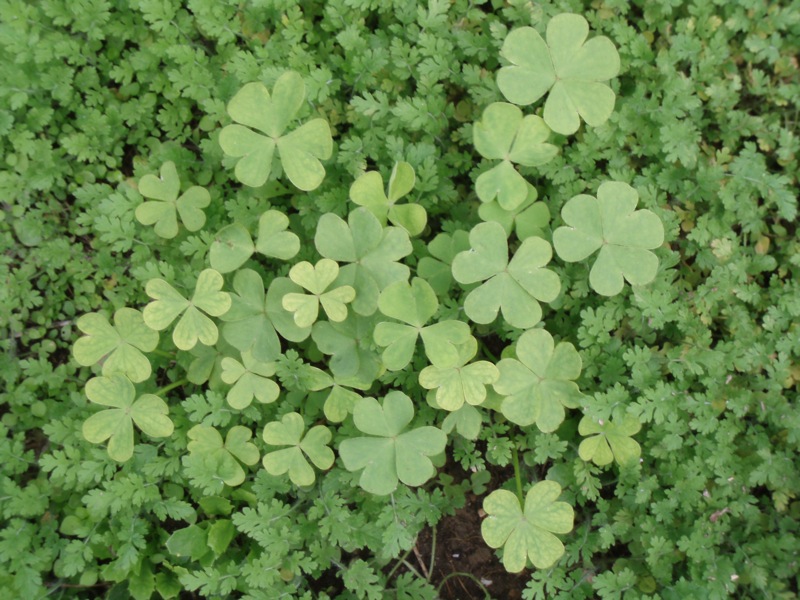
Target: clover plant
[326, 344]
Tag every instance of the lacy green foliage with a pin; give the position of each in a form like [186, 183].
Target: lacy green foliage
[99, 98]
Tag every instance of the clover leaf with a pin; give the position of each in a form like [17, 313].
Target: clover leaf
[254, 316]
[389, 453]
[349, 344]
[371, 250]
[538, 384]
[168, 303]
[232, 245]
[119, 347]
[527, 534]
[273, 238]
[300, 151]
[436, 268]
[571, 68]
[515, 287]
[610, 441]
[415, 304]
[504, 134]
[368, 191]
[623, 235]
[249, 380]
[165, 206]
[529, 219]
[467, 421]
[460, 382]
[220, 460]
[115, 424]
[316, 279]
[314, 444]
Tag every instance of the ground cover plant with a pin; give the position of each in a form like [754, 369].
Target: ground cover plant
[404, 299]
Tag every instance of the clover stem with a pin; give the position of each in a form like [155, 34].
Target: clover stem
[433, 552]
[468, 576]
[517, 474]
[171, 386]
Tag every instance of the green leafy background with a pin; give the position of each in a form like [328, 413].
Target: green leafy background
[94, 98]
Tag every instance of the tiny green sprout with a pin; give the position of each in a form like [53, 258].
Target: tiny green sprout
[120, 347]
[569, 67]
[504, 134]
[115, 424]
[317, 279]
[193, 326]
[300, 151]
[539, 383]
[610, 441]
[292, 460]
[390, 454]
[514, 287]
[249, 380]
[527, 533]
[165, 205]
[368, 191]
[623, 235]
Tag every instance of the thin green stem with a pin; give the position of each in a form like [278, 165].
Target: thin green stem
[398, 563]
[468, 576]
[433, 552]
[162, 353]
[171, 386]
[517, 474]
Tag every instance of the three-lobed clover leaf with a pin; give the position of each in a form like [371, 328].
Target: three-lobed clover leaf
[539, 383]
[165, 206]
[458, 383]
[569, 67]
[436, 269]
[529, 219]
[368, 191]
[220, 459]
[255, 315]
[119, 347]
[300, 151]
[514, 287]
[249, 380]
[349, 344]
[504, 134]
[314, 445]
[115, 424]
[372, 251]
[527, 534]
[623, 235]
[168, 303]
[317, 279]
[390, 453]
[610, 441]
[415, 304]
[232, 245]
